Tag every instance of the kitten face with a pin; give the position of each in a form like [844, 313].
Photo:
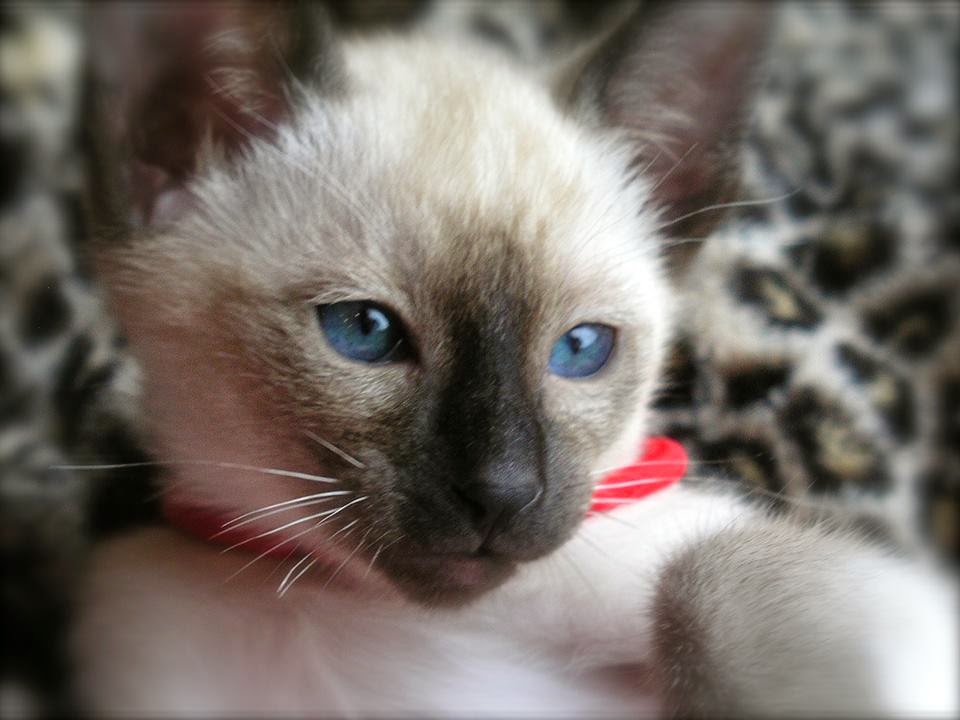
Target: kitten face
[474, 455]
[453, 193]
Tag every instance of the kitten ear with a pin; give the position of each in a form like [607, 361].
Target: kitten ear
[677, 78]
[172, 80]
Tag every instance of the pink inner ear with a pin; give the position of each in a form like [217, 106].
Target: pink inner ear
[715, 108]
[169, 205]
[182, 72]
[682, 86]
[148, 185]
[167, 135]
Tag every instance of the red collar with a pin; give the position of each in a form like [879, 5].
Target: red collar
[662, 464]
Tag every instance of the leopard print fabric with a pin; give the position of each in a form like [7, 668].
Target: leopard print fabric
[67, 391]
[822, 350]
[818, 367]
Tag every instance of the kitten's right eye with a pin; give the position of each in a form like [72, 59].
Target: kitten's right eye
[363, 330]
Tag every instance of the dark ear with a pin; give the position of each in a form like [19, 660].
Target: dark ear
[169, 80]
[677, 77]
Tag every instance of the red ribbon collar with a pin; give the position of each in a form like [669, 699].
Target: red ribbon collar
[662, 464]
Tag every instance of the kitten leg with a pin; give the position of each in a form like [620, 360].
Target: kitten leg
[779, 619]
[592, 600]
[731, 612]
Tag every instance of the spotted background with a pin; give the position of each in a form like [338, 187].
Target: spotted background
[818, 367]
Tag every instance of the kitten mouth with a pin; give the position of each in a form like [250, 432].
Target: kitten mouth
[450, 578]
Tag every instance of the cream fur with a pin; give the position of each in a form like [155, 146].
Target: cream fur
[163, 631]
[351, 181]
[538, 645]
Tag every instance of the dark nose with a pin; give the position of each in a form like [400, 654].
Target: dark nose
[496, 494]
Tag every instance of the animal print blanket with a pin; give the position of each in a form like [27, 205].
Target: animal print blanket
[818, 367]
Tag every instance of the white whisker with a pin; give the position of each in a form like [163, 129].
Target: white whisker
[327, 515]
[632, 483]
[281, 506]
[348, 558]
[279, 565]
[568, 559]
[372, 561]
[334, 449]
[273, 549]
[653, 463]
[614, 518]
[281, 591]
[590, 543]
[286, 583]
[720, 206]
[377, 553]
[646, 168]
[345, 527]
[648, 464]
[204, 463]
[617, 501]
[669, 172]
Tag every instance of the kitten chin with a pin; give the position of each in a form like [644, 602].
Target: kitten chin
[450, 580]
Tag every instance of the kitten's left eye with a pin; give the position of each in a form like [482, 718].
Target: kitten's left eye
[363, 331]
[582, 351]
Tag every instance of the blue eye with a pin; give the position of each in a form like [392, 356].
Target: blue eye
[362, 331]
[582, 351]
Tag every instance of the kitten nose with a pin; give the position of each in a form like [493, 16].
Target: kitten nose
[497, 494]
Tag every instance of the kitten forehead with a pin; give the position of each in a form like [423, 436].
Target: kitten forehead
[439, 163]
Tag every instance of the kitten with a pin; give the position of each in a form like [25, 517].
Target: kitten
[399, 303]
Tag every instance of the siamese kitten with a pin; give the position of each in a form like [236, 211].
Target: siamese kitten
[399, 304]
